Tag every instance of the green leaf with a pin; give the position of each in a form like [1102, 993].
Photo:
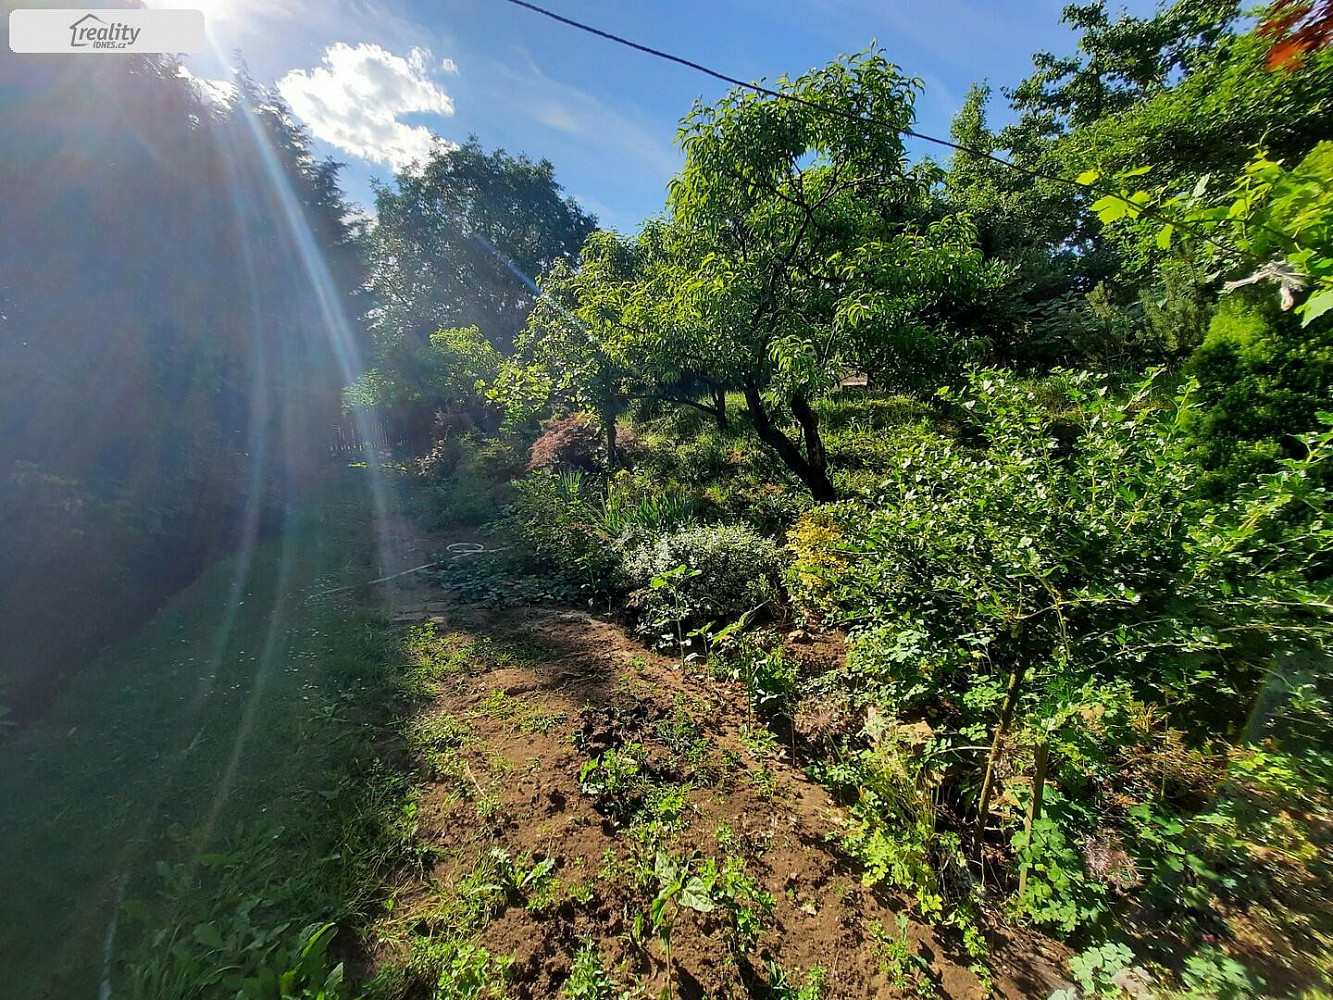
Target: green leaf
[665, 868]
[207, 935]
[1110, 209]
[694, 896]
[318, 940]
[1088, 177]
[335, 979]
[657, 910]
[1164, 236]
[1315, 306]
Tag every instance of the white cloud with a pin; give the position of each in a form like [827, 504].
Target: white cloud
[449, 66]
[354, 99]
[558, 118]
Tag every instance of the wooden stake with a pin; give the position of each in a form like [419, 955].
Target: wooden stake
[1034, 804]
[988, 783]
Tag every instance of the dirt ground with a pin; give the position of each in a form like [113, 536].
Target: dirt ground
[531, 693]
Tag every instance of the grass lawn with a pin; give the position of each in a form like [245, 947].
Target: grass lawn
[230, 720]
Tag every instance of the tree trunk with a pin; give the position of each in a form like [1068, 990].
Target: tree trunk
[988, 783]
[814, 443]
[612, 453]
[815, 476]
[720, 407]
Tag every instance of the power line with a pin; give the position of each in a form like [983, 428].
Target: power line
[758, 88]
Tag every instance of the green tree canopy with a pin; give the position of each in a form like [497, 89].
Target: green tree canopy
[461, 240]
[795, 225]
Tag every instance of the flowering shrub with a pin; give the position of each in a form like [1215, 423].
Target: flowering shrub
[737, 570]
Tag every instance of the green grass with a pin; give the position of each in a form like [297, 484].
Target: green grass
[200, 772]
[730, 474]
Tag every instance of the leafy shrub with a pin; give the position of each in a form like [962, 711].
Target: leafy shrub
[1103, 331]
[769, 675]
[896, 666]
[1060, 893]
[556, 516]
[588, 978]
[567, 521]
[814, 542]
[1262, 378]
[1210, 972]
[1055, 575]
[566, 444]
[893, 832]
[752, 498]
[468, 478]
[1080, 550]
[460, 450]
[613, 773]
[416, 380]
[737, 570]
[446, 450]
[1096, 968]
[770, 678]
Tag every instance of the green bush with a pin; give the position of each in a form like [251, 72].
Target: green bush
[1262, 378]
[1055, 575]
[584, 529]
[468, 478]
[737, 570]
[415, 381]
[1072, 537]
[1115, 331]
[556, 515]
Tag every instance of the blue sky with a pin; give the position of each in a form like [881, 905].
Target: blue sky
[372, 78]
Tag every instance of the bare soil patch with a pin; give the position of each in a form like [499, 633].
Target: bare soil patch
[531, 694]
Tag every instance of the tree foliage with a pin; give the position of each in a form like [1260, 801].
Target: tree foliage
[461, 240]
[799, 246]
[177, 281]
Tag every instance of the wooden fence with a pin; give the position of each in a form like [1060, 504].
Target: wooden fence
[352, 434]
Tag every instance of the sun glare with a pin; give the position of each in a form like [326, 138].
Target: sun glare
[214, 11]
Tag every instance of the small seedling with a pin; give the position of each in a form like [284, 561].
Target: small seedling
[680, 887]
[671, 583]
[782, 986]
[588, 979]
[521, 878]
[904, 968]
[615, 779]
